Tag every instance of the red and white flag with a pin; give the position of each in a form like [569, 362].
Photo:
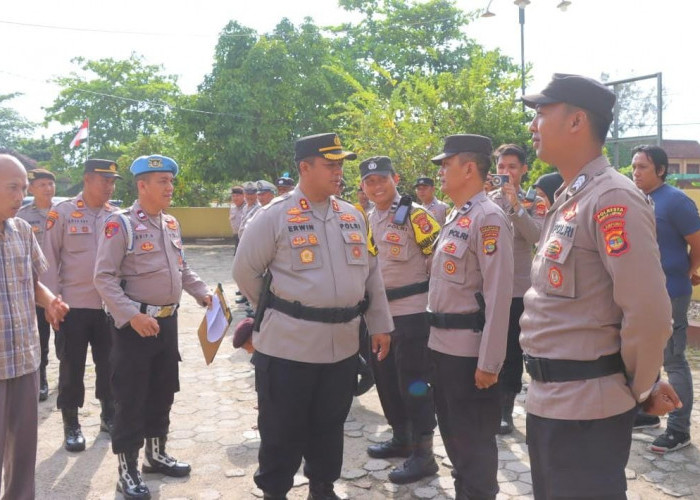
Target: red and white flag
[81, 135]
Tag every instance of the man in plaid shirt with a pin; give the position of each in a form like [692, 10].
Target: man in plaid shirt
[21, 262]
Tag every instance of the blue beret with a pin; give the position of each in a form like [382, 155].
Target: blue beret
[153, 163]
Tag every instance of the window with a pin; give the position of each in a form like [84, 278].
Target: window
[692, 168]
[674, 168]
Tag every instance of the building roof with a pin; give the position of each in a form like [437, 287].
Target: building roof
[681, 149]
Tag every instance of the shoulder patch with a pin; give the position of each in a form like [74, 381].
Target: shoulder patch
[51, 219]
[612, 211]
[425, 229]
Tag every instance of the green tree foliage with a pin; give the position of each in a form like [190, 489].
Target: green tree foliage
[263, 92]
[409, 125]
[13, 126]
[123, 99]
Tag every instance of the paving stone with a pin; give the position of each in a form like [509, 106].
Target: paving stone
[353, 473]
[446, 462]
[525, 477]
[251, 435]
[504, 475]
[180, 444]
[507, 456]
[376, 464]
[300, 480]
[234, 473]
[391, 487]
[209, 495]
[650, 457]
[675, 457]
[353, 426]
[443, 482]
[515, 488]
[439, 451]
[517, 467]
[380, 475]
[632, 495]
[676, 490]
[654, 476]
[630, 474]
[184, 434]
[365, 484]
[257, 492]
[692, 468]
[667, 466]
[354, 434]
[379, 438]
[425, 492]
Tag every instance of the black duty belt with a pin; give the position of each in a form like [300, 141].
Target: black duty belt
[406, 291]
[567, 370]
[321, 314]
[454, 321]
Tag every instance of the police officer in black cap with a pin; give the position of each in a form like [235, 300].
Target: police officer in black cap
[315, 248]
[284, 184]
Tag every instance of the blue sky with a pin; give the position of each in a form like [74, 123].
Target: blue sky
[622, 38]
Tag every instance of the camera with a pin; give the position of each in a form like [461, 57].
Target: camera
[497, 180]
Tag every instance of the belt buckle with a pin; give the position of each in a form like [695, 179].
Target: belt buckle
[152, 311]
[166, 311]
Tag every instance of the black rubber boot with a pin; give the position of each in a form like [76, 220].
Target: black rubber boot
[107, 415]
[398, 446]
[321, 491]
[157, 460]
[74, 439]
[507, 403]
[420, 464]
[43, 385]
[130, 484]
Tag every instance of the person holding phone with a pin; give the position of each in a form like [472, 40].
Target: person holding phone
[526, 216]
[404, 233]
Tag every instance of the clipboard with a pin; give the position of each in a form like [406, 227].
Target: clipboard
[214, 325]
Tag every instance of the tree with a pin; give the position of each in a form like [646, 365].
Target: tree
[263, 93]
[13, 126]
[123, 99]
[409, 125]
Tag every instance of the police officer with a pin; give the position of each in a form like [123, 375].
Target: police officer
[425, 191]
[597, 316]
[315, 246]
[72, 232]
[471, 281]
[236, 211]
[526, 216]
[404, 233]
[140, 274]
[42, 185]
[266, 192]
[250, 192]
[284, 184]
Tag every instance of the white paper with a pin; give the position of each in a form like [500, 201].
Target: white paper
[216, 320]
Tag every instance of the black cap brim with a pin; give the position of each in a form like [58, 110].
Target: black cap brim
[437, 160]
[534, 100]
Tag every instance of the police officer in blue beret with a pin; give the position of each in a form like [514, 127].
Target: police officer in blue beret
[140, 274]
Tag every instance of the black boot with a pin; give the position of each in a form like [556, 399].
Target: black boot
[130, 484]
[107, 415]
[321, 491]
[43, 384]
[366, 381]
[420, 464]
[74, 439]
[157, 460]
[398, 446]
[507, 403]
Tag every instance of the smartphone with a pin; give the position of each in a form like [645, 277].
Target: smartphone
[402, 211]
[531, 195]
[497, 180]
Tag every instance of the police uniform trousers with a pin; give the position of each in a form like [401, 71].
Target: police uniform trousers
[402, 378]
[577, 459]
[511, 376]
[302, 408]
[44, 335]
[144, 382]
[468, 419]
[80, 328]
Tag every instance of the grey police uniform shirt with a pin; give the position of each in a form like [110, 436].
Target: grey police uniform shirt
[401, 260]
[526, 233]
[474, 253]
[320, 260]
[439, 210]
[153, 271]
[36, 218]
[597, 289]
[70, 246]
[248, 213]
[235, 214]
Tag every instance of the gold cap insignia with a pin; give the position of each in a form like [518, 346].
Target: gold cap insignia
[155, 163]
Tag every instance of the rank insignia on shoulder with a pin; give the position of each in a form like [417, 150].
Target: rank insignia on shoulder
[540, 209]
[141, 215]
[294, 211]
[577, 184]
[336, 207]
[304, 204]
[464, 221]
[80, 204]
[570, 212]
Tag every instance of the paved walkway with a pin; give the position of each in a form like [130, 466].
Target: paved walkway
[213, 428]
